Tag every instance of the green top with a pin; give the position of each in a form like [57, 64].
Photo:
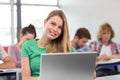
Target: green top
[33, 52]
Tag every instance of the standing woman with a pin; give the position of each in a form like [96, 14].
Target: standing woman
[55, 39]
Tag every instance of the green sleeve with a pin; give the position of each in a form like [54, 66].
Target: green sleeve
[73, 49]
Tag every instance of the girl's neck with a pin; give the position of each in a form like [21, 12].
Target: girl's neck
[43, 42]
[74, 44]
[105, 43]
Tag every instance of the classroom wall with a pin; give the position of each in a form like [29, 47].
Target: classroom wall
[92, 13]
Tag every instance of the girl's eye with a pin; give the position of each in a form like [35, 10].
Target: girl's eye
[53, 23]
[60, 27]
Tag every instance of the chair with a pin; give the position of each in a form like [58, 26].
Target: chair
[5, 48]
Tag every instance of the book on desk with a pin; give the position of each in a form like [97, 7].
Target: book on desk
[9, 74]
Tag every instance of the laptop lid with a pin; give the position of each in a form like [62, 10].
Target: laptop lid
[68, 66]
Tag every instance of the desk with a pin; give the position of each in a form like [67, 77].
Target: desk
[31, 78]
[112, 62]
[13, 73]
[113, 77]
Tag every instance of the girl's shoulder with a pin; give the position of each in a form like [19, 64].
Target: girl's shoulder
[30, 42]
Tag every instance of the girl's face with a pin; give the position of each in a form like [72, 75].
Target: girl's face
[26, 37]
[53, 27]
[106, 36]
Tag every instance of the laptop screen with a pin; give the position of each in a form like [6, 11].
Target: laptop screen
[68, 66]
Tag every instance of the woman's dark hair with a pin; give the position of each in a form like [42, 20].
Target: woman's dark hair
[29, 29]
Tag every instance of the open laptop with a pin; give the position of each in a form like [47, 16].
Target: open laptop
[68, 66]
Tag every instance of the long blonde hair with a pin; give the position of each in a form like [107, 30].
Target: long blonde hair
[62, 43]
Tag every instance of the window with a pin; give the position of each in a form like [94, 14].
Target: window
[32, 11]
[35, 15]
[47, 2]
[5, 25]
[4, 1]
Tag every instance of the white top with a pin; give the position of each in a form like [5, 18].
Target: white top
[106, 50]
[3, 54]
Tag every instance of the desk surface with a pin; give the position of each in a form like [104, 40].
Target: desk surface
[11, 70]
[112, 62]
[31, 78]
[108, 61]
[113, 77]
